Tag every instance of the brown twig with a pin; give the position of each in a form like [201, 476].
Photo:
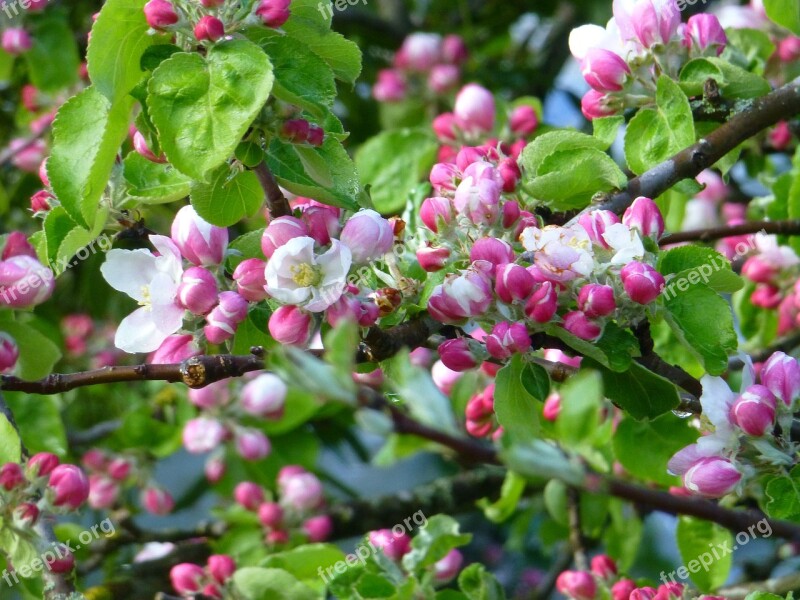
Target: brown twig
[791, 227]
[576, 541]
[277, 204]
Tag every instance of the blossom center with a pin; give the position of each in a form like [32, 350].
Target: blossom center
[306, 275]
[146, 301]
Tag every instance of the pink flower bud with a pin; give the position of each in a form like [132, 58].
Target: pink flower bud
[780, 136]
[280, 231]
[652, 23]
[69, 485]
[446, 128]
[523, 120]
[457, 355]
[596, 300]
[209, 28]
[187, 578]
[197, 292]
[513, 282]
[543, 303]
[595, 224]
[203, 434]
[60, 565]
[316, 136]
[461, 296]
[643, 593]
[604, 566]
[442, 178]
[436, 212]
[507, 339]
[580, 325]
[454, 50]
[27, 155]
[432, 259]
[160, 14]
[26, 514]
[478, 200]
[17, 244]
[604, 70]
[290, 325]
[443, 78]
[302, 492]
[250, 280]
[511, 215]
[9, 353]
[623, 589]
[251, 444]
[393, 546]
[789, 49]
[420, 51]
[578, 585]
[754, 411]
[141, 147]
[447, 568]
[287, 472]
[40, 201]
[199, 242]
[222, 321]
[210, 396]
[248, 495]
[212, 3]
[781, 375]
[322, 222]
[642, 282]
[175, 349]
[493, 250]
[295, 130]
[474, 109]
[645, 216]
[103, 492]
[265, 396]
[221, 567]
[715, 188]
[766, 296]
[510, 173]
[368, 235]
[552, 406]
[11, 476]
[214, 469]
[759, 270]
[270, 514]
[444, 378]
[711, 477]
[318, 529]
[119, 469]
[595, 105]
[24, 282]
[670, 591]
[389, 87]
[703, 31]
[42, 464]
[16, 41]
[273, 13]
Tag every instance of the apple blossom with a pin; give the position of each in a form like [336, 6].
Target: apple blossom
[642, 282]
[443, 377]
[302, 492]
[457, 355]
[560, 253]
[445, 127]
[199, 242]
[463, 295]
[221, 567]
[186, 578]
[318, 528]
[210, 396]
[175, 349]
[542, 304]
[523, 120]
[203, 434]
[754, 411]
[16, 40]
[197, 292]
[604, 70]
[596, 300]
[513, 282]
[69, 486]
[447, 568]
[454, 50]
[251, 444]
[249, 495]
[103, 491]
[781, 375]
[11, 476]
[250, 281]
[224, 318]
[265, 396]
[273, 13]
[580, 325]
[42, 464]
[420, 51]
[443, 78]
[393, 546]
[9, 353]
[578, 585]
[270, 514]
[24, 282]
[160, 14]
[712, 477]
[390, 86]
[507, 339]
[209, 28]
[704, 31]
[291, 325]
[474, 109]
[368, 236]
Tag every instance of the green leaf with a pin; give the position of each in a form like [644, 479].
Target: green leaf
[392, 163]
[536, 381]
[53, 59]
[784, 496]
[37, 353]
[302, 78]
[605, 129]
[245, 246]
[579, 418]
[40, 422]
[118, 41]
[697, 539]
[539, 459]
[697, 263]
[516, 409]
[10, 444]
[662, 437]
[734, 82]
[556, 141]
[785, 13]
[758, 325]
[202, 107]
[653, 135]
[154, 183]
[478, 584]
[748, 48]
[702, 320]
[229, 197]
[57, 225]
[304, 561]
[87, 133]
[339, 343]
[640, 392]
[433, 541]
[615, 348]
[256, 583]
[326, 173]
[253, 331]
[623, 533]
[506, 505]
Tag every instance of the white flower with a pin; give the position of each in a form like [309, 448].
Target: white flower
[773, 253]
[716, 401]
[295, 275]
[561, 253]
[152, 281]
[625, 241]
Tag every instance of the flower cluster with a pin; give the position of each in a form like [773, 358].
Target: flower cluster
[396, 546]
[295, 510]
[189, 579]
[643, 39]
[425, 65]
[739, 429]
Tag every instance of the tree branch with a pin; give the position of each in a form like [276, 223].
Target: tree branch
[277, 204]
[791, 227]
[778, 585]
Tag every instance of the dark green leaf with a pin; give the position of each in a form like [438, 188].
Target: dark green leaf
[662, 437]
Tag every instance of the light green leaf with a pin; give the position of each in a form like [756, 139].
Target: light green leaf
[478, 584]
[154, 183]
[785, 13]
[53, 59]
[40, 422]
[37, 353]
[118, 41]
[202, 107]
[579, 416]
[615, 348]
[662, 437]
[342, 55]
[304, 561]
[784, 496]
[734, 82]
[228, 198]
[256, 583]
[10, 445]
[709, 267]
[605, 129]
[506, 505]
[555, 141]
[433, 541]
[87, 133]
[516, 409]
[696, 541]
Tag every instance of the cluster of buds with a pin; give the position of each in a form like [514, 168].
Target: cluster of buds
[643, 39]
[24, 281]
[425, 65]
[296, 509]
[83, 339]
[737, 425]
[215, 19]
[479, 412]
[394, 545]
[300, 131]
[189, 579]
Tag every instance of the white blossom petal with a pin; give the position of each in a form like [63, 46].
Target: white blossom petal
[138, 333]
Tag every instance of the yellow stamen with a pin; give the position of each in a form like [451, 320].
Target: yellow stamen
[306, 275]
